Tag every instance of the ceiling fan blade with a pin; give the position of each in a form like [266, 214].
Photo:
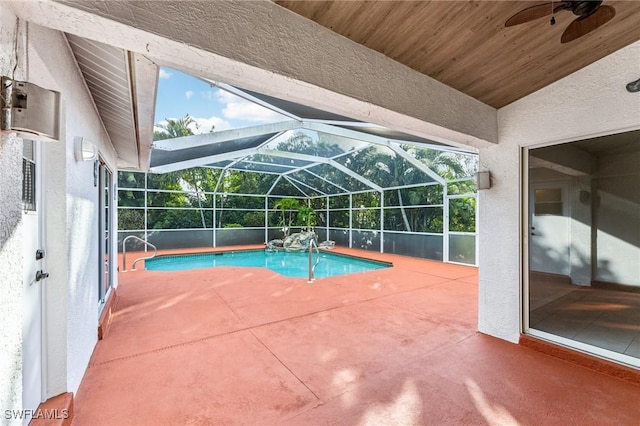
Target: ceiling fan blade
[582, 26]
[535, 12]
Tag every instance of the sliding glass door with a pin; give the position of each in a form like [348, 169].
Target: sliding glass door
[583, 243]
[105, 223]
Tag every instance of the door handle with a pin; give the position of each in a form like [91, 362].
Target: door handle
[41, 275]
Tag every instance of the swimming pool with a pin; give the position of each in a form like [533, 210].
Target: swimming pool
[290, 264]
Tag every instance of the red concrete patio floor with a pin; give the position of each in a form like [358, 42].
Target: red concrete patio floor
[394, 346]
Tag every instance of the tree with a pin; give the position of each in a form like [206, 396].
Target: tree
[388, 169]
[175, 128]
[307, 216]
[287, 205]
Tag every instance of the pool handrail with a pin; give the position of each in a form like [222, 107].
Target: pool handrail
[312, 269]
[124, 252]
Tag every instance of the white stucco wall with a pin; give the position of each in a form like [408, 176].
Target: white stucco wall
[71, 212]
[11, 251]
[588, 103]
[71, 217]
[499, 244]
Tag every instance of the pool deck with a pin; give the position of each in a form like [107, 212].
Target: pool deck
[392, 346]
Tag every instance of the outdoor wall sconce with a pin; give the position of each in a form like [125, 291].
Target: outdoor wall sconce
[85, 150]
[29, 110]
[483, 180]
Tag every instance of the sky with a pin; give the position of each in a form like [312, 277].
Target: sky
[180, 94]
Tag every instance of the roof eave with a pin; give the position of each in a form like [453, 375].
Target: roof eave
[144, 83]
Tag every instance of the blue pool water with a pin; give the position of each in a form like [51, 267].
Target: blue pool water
[284, 263]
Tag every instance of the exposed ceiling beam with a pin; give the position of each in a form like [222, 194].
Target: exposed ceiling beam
[276, 65]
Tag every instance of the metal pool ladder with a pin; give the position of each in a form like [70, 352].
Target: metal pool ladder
[312, 266]
[124, 252]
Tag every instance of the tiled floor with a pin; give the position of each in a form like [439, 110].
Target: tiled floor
[395, 346]
[606, 318]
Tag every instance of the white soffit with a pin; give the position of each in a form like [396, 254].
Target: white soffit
[123, 88]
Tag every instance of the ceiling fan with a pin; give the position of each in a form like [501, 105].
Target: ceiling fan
[590, 15]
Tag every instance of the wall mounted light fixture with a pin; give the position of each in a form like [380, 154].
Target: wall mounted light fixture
[85, 150]
[483, 180]
[29, 110]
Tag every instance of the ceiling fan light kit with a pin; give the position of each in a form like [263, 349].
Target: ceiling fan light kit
[590, 16]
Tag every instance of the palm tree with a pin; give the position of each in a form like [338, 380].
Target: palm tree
[176, 128]
[388, 169]
[287, 205]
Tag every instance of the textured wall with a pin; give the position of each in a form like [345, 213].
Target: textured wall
[72, 214]
[70, 207]
[499, 244]
[588, 103]
[11, 252]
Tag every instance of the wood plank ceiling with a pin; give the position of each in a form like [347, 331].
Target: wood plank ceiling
[465, 45]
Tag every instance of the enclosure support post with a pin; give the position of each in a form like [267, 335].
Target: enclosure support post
[327, 220]
[445, 223]
[350, 220]
[146, 210]
[477, 222]
[381, 221]
[215, 220]
[266, 218]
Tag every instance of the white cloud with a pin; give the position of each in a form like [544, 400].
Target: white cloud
[164, 74]
[240, 109]
[189, 94]
[204, 124]
[225, 97]
[210, 95]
